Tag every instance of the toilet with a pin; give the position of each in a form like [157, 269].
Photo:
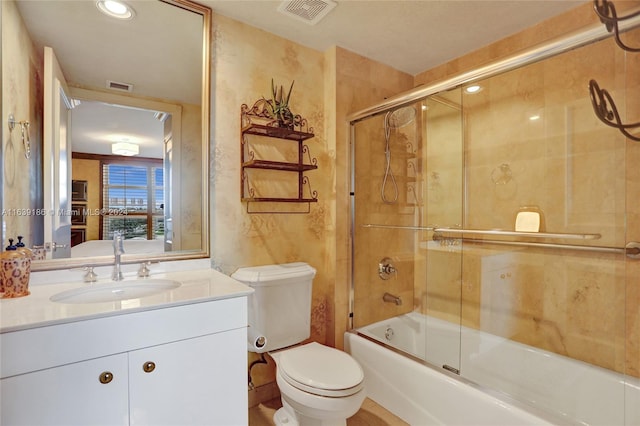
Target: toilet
[319, 385]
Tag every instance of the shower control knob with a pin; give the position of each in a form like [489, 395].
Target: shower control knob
[386, 269]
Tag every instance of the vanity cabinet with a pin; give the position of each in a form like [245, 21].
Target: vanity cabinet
[192, 382]
[68, 395]
[183, 365]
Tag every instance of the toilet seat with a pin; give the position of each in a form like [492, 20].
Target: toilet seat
[321, 370]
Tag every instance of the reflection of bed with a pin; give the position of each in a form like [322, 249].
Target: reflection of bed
[105, 247]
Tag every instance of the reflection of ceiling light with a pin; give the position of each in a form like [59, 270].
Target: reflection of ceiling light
[125, 148]
[473, 89]
[534, 117]
[115, 9]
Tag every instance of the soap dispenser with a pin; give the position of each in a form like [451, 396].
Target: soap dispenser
[14, 273]
[20, 246]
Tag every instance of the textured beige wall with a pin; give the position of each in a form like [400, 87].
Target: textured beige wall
[245, 60]
[191, 178]
[21, 96]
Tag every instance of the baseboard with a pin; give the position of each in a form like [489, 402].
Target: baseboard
[263, 393]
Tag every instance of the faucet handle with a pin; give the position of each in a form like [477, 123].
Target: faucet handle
[144, 270]
[90, 276]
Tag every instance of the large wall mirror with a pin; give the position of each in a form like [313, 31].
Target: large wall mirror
[117, 134]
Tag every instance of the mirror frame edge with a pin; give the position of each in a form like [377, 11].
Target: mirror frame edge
[2, 136]
[73, 263]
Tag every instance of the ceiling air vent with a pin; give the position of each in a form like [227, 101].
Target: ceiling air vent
[309, 11]
[116, 85]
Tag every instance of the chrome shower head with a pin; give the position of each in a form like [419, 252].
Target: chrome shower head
[400, 117]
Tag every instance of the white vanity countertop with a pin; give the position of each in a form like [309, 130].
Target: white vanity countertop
[36, 310]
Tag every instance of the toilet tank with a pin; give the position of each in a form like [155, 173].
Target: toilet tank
[280, 306]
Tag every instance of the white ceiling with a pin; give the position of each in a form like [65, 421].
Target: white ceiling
[96, 125]
[409, 35]
[159, 51]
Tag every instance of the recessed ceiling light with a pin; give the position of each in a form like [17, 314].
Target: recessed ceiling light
[115, 9]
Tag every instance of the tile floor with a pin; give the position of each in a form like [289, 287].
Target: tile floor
[370, 414]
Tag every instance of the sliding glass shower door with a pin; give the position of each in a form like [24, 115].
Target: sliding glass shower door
[407, 180]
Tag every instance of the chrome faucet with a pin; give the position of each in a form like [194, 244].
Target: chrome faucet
[118, 249]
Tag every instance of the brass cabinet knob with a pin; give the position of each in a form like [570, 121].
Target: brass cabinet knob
[105, 377]
[149, 366]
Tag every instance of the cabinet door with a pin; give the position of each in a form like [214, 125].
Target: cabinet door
[68, 395]
[199, 381]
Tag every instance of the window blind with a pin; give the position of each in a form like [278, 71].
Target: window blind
[133, 200]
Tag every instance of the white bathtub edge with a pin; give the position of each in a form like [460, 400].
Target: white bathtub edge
[421, 395]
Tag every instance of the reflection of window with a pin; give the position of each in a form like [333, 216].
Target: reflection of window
[133, 199]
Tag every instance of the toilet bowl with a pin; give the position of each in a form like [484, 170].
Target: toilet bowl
[319, 386]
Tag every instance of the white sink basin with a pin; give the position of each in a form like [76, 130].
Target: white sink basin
[115, 290]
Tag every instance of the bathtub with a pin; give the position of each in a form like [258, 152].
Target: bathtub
[520, 385]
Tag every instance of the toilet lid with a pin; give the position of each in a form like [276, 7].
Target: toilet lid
[315, 367]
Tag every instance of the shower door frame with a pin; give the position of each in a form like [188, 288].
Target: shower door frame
[537, 53]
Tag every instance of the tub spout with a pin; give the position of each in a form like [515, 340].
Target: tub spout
[392, 299]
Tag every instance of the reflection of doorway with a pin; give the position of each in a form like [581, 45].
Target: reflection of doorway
[56, 159]
[99, 130]
[170, 228]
